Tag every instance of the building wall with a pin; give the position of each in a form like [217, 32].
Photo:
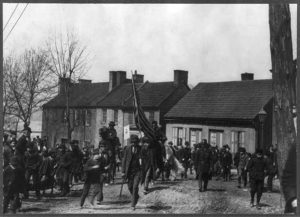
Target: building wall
[54, 128]
[250, 134]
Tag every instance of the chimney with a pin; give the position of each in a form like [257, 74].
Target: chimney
[180, 77]
[116, 78]
[62, 83]
[84, 81]
[247, 76]
[138, 78]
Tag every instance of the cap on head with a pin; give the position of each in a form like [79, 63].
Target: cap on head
[154, 122]
[134, 138]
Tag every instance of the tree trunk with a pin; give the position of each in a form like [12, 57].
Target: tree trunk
[69, 130]
[283, 79]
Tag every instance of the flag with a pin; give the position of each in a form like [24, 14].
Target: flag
[141, 121]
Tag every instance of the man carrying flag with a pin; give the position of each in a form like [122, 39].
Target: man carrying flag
[153, 133]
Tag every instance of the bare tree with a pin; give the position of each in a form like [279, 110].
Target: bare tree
[68, 61]
[284, 79]
[28, 84]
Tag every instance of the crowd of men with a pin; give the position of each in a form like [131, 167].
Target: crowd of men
[30, 165]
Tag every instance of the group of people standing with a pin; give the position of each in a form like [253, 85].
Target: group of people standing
[143, 160]
[24, 168]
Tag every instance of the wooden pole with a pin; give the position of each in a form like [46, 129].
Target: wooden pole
[283, 73]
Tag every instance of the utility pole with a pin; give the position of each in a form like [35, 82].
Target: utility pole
[284, 79]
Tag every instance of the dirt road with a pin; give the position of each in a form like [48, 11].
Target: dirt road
[165, 197]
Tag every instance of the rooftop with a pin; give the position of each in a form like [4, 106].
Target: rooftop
[224, 100]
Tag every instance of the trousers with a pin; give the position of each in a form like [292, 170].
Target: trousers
[203, 180]
[256, 187]
[133, 186]
[91, 190]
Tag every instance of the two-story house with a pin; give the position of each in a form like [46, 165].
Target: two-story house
[94, 105]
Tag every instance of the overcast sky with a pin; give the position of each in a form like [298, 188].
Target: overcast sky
[213, 42]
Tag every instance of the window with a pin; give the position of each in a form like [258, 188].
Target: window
[216, 138]
[76, 117]
[104, 115]
[72, 116]
[88, 116]
[131, 118]
[178, 136]
[151, 116]
[237, 140]
[195, 136]
[116, 113]
[82, 117]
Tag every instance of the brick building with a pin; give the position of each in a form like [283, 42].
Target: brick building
[94, 105]
[225, 113]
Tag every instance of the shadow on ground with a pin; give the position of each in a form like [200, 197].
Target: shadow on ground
[34, 209]
[159, 207]
[157, 188]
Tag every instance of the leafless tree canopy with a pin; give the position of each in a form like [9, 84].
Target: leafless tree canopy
[28, 83]
[68, 60]
[67, 56]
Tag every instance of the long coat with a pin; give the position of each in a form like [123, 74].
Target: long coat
[203, 160]
[257, 167]
[127, 157]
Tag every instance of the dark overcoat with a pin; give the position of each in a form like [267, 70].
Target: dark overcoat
[256, 168]
[203, 160]
[127, 157]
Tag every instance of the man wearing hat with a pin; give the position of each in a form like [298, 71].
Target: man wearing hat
[147, 170]
[226, 161]
[159, 149]
[104, 166]
[242, 167]
[12, 185]
[115, 144]
[203, 165]
[32, 164]
[92, 182]
[131, 168]
[64, 165]
[256, 167]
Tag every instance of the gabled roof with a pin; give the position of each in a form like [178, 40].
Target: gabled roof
[151, 95]
[81, 95]
[224, 100]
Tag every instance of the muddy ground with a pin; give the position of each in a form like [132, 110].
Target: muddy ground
[165, 197]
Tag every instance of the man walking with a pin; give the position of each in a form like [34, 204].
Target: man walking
[256, 167]
[131, 168]
[242, 167]
[203, 166]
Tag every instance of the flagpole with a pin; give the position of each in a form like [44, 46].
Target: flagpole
[135, 101]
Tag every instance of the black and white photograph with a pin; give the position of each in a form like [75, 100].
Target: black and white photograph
[149, 108]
